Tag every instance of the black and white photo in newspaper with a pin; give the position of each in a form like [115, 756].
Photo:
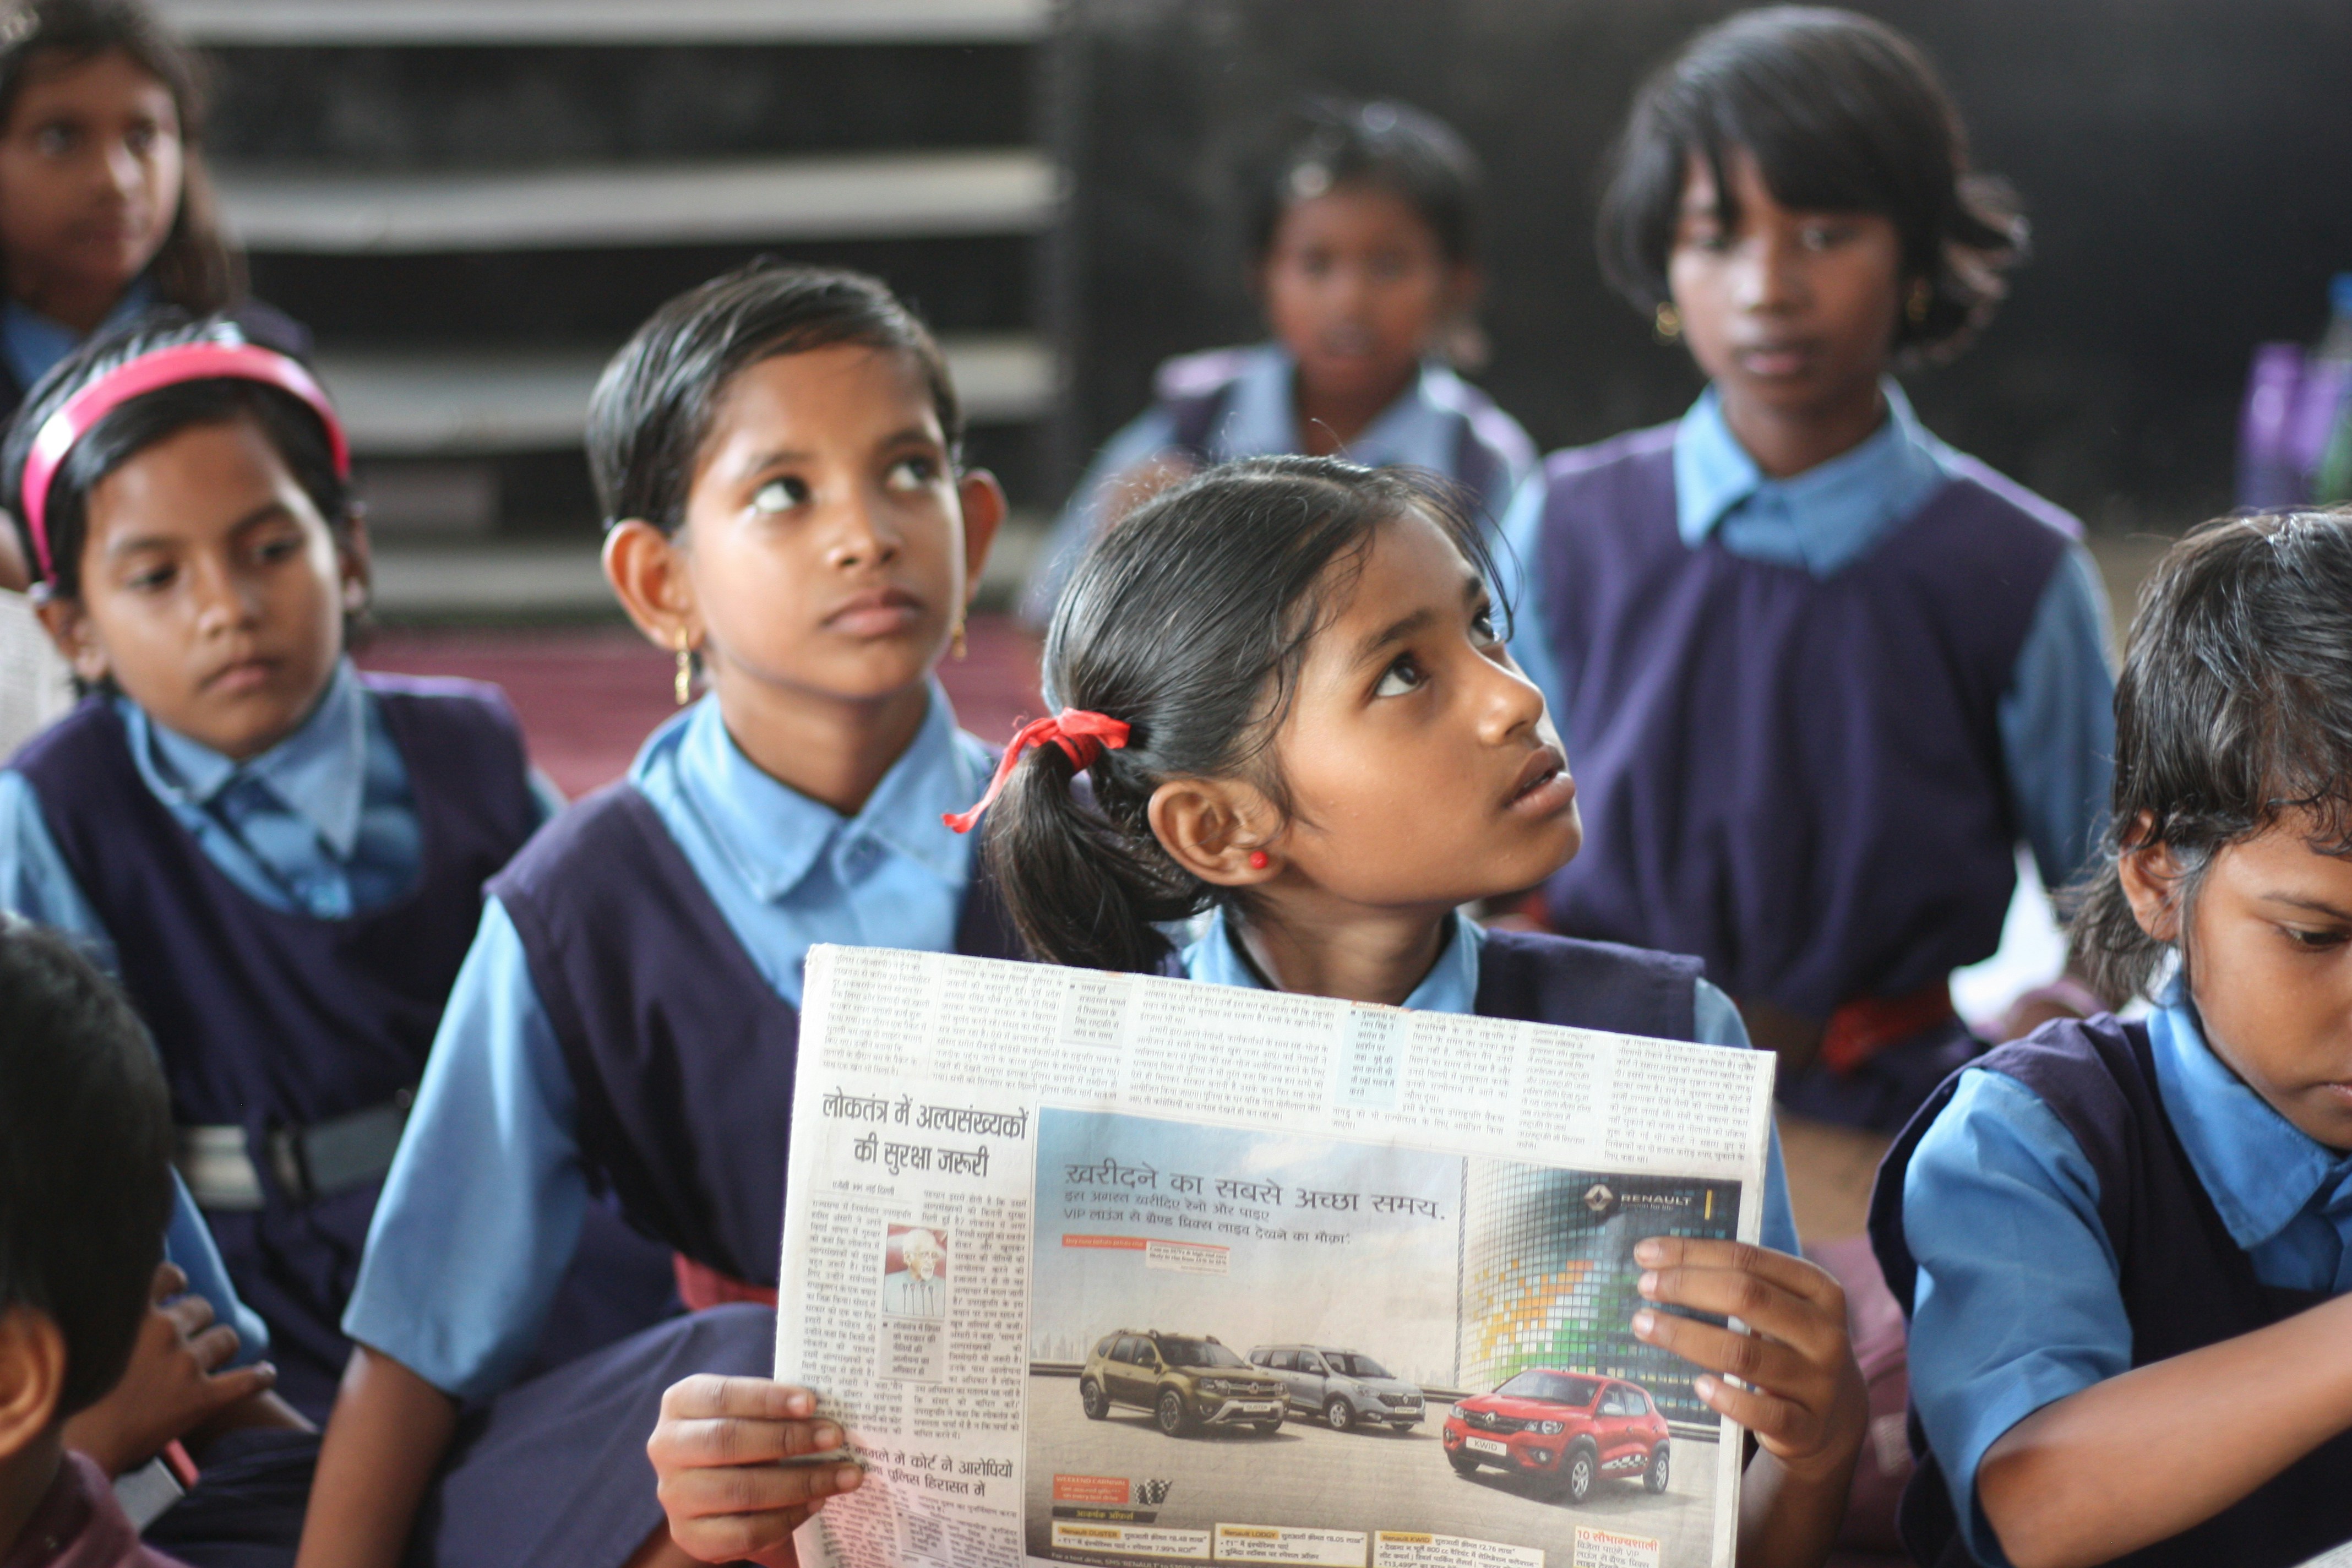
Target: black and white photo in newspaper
[1116, 1271]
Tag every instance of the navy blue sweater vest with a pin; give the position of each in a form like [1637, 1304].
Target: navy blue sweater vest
[2186, 1284]
[681, 1052]
[1799, 780]
[1542, 978]
[266, 1019]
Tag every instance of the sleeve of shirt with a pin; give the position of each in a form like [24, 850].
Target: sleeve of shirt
[2058, 723]
[35, 882]
[1717, 1022]
[481, 1211]
[1521, 589]
[1146, 434]
[189, 1244]
[1999, 1178]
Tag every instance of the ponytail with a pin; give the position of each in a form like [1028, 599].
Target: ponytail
[1186, 623]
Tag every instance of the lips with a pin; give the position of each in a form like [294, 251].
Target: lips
[242, 675]
[1544, 785]
[881, 612]
[1777, 360]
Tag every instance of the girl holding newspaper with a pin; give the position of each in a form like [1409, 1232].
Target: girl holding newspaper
[1286, 686]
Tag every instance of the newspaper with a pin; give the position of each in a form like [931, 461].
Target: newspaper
[1112, 1269]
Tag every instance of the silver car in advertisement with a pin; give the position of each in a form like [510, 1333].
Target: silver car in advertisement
[1344, 1389]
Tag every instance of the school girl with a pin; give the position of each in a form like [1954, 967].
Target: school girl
[777, 452]
[1364, 256]
[269, 849]
[1821, 674]
[2167, 1381]
[105, 209]
[1286, 689]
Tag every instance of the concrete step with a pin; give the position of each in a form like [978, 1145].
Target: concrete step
[417, 404]
[881, 195]
[298, 23]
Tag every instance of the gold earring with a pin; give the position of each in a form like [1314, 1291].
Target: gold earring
[1666, 323]
[1923, 295]
[956, 644]
[684, 687]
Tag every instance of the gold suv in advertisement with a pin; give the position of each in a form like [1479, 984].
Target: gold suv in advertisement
[1184, 1380]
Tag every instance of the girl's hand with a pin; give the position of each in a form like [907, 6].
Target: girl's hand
[720, 1452]
[1804, 1399]
[172, 1385]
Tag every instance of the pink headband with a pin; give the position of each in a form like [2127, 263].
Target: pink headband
[165, 368]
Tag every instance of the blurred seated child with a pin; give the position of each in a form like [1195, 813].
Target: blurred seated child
[1821, 673]
[1365, 259]
[84, 1195]
[2123, 1246]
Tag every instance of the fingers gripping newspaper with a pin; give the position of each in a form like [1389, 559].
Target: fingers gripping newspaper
[1112, 1269]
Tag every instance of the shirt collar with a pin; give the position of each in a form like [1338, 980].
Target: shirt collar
[773, 835]
[2260, 1169]
[1450, 987]
[1264, 415]
[1837, 509]
[318, 773]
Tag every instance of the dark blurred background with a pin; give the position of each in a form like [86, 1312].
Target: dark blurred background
[472, 204]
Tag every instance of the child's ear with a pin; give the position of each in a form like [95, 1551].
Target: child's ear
[356, 559]
[75, 638]
[983, 512]
[1221, 830]
[32, 1370]
[647, 570]
[2151, 880]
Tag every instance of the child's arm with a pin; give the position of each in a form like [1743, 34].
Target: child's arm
[1805, 1403]
[176, 1383]
[2145, 1455]
[718, 1453]
[385, 1438]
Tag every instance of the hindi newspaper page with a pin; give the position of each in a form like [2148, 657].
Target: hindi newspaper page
[1114, 1270]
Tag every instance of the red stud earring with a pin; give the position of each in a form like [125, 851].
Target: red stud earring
[1260, 860]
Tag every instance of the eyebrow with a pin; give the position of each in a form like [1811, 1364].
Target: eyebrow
[1404, 626]
[2316, 906]
[133, 546]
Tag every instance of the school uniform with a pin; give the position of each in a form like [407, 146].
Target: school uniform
[1543, 979]
[628, 1019]
[1812, 718]
[31, 343]
[1225, 404]
[288, 927]
[2166, 1206]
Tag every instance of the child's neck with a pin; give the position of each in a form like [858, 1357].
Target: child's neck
[1356, 955]
[1329, 421]
[1786, 442]
[834, 753]
[25, 1480]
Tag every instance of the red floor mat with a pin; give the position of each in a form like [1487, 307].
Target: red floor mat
[589, 695]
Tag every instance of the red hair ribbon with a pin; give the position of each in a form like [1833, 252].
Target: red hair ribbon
[208, 360]
[1083, 737]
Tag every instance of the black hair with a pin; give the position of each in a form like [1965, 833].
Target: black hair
[195, 268]
[85, 1156]
[292, 428]
[2233, 712]
[1387, 146]
[1841, 114]
[652, 408]
[1189, 621]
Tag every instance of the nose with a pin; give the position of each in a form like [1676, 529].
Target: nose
[1510, 704]
[1768, 275]
[125, 173]
[864, 534]
[226, 599]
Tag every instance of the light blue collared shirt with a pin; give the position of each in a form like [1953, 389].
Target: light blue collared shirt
[1999, 1178]
[322, 824]
[482, 1210]
[1420, 429]
[34, 343]
[189, 1244]
[2056, 716]
[1452, 986]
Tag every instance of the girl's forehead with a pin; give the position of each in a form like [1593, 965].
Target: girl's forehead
[839, 392]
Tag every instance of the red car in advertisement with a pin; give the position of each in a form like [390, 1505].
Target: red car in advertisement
[1567, 1428]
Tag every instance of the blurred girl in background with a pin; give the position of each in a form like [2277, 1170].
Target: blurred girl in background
[1364, 256]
